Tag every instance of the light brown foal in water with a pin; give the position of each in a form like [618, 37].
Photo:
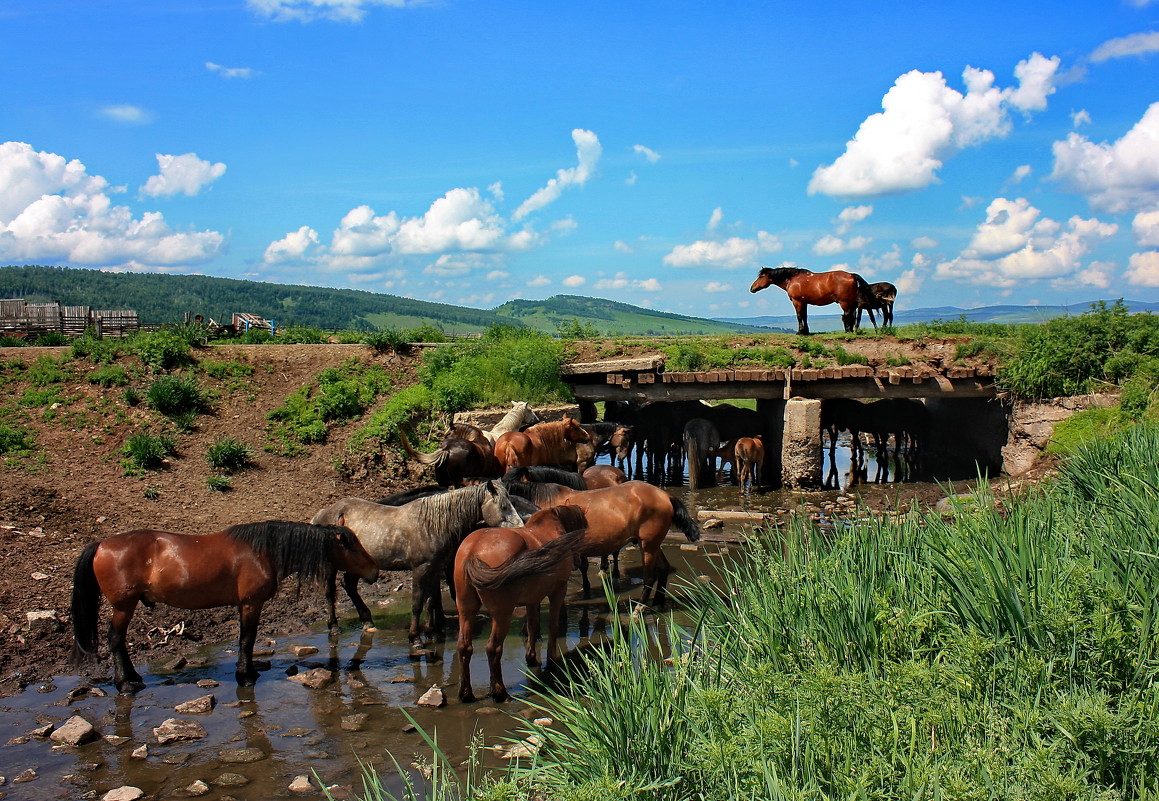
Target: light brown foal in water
[750, 455]
[502, 568]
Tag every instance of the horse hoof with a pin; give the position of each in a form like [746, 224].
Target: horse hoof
[533, 661]
[369, 627]
[467, 698]
[500, 696]
[130, 687]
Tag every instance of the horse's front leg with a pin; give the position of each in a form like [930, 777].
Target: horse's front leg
[248, 616]
[125, 676]
[350, 584]
[582, 564]
[802, 317]
[468, 603]
[555, 625]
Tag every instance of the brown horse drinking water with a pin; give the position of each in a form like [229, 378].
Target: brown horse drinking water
[502, 568]
[807, 288]
[240, 567]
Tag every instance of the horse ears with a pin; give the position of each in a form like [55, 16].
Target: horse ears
[342, 519]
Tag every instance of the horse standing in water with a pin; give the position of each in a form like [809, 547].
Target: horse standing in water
[617, 515]
[750, 455]
[806, 288]
[542, 444]
[241, 566]
[502, 568]
[420, 536]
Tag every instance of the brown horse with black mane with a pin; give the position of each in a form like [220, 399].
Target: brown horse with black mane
[241, 566]
[807, 288]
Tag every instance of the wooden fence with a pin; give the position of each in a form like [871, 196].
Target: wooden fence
[20, 318]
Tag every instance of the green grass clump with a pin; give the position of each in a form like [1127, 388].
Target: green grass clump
[52, 339]
[231, 369]
[386, 340]
[844, 357]
[110, 375]
[47, 370]
[228, 454]
[337, 394]
[145, 451]
[301, 335]
[897, 360]
[174, 395]
[219, 483]
[162, 350]
[16, 440]
[11, 342]
[100, 351]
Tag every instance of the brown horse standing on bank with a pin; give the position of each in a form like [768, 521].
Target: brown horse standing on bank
[240, 567]
[502, 568]
[542, 444]
[806, 288]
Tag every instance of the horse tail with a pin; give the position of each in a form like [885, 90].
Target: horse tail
[86, 598]
[532, 562]
[865, 297]
[684, 521]
[435, 459]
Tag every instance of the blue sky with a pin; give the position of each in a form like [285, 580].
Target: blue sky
[658, 154]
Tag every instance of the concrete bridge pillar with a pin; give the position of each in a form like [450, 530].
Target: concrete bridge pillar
[801, 456]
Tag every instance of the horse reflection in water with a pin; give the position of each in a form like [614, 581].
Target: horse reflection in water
[905, 421]
[241, 566]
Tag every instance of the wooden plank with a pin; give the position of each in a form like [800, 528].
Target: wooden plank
[639, 364]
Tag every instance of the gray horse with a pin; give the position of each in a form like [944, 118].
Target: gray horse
[700, 439]
[420, 536]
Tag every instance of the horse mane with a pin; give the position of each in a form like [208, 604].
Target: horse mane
[539, 493]
[778, 275]
[542, 474]
[551, 434]
[454, 512]
[406, 496]
[293, 547]
[466, 431]
[570, 516]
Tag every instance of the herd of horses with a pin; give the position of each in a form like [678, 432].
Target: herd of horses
[514, 509]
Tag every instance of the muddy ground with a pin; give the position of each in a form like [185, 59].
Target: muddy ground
[74, 489]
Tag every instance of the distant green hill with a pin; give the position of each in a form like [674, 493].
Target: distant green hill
[159, 298]
[610, 317]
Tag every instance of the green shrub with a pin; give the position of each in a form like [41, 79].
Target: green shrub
[338, 394]
[111, 375]
[132, 396]
[172, 395]
[386, 340]
[256, 336]
[11, 342]
[402, 409]
[897, 360]
[844, 357]
[427, 333]
[100, 351]
[32, 398]
[301, 335]
[228, 454]
[219, 483]
[147, 451]
[162, 350]
[230, 369]
[47, 370]
[52, 339]
[15, 439]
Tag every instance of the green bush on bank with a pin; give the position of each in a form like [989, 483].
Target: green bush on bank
[338, 393]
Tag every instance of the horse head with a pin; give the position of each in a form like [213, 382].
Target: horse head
[621, 442]
[497, 509]
[574, 432]
[349, 554]
[770, 276]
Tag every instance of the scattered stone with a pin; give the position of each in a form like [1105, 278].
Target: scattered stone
[712, 522]
[263, 652]
[688, 546]
[125, 793]
[42, 620]
[400, 679]
[140, 752]
[297, 731]
[301, 784]
[175, 729]
[176, 664]
[410, 727]
[175, 758]
[355, 722]
[527, 748]
[198, 706]
[318, 677]
[19, 739]
[246, 713]
[27, 776]
[543, 721]
[206, 684]
[42, 731]
[74, 731]
[194, 790]
[38, 576]
[303, 650]
[433, 697]
[47, 687]
[242, 756]
[231, 780]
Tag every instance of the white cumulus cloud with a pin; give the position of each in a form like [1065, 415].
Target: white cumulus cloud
[574, 281]
[830, 245]
[295, 247]
[588, 151]
[923, 243]
[923, 121]
[1016, 244]
[717, 286]
[729, 253]
[1146, 228]
[1118, 177]
[181, 175]
[128, 114]
[851, 215]
[1143, 269]
[52, 210]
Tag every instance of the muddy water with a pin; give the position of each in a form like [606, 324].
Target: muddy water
[259, 739]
